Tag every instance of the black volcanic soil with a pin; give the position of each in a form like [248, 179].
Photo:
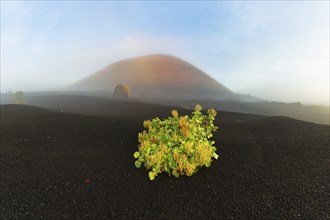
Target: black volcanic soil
[268, 168]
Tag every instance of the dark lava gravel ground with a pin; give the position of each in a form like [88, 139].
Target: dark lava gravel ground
[268, 168]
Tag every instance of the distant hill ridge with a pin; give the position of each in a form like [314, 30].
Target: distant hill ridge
[157, 76]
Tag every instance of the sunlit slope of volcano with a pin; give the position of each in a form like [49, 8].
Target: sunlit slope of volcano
[153, 76]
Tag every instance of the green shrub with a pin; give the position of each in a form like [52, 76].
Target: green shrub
[178, 145]
[20, 102]
[18, 98]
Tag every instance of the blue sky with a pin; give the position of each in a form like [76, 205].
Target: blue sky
[276, 50]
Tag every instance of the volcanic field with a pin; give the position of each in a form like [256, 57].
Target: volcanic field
[65, 164]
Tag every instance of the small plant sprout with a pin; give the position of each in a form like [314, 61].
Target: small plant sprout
[178, 145]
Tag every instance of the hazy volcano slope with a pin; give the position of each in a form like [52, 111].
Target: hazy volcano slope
[156, 76]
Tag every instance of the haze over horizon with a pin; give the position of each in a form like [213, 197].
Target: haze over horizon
[278, 51]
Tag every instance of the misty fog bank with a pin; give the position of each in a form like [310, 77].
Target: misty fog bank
[74, 101]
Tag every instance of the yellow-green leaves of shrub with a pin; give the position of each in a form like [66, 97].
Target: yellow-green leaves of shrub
[178, 145]
[18, 98]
